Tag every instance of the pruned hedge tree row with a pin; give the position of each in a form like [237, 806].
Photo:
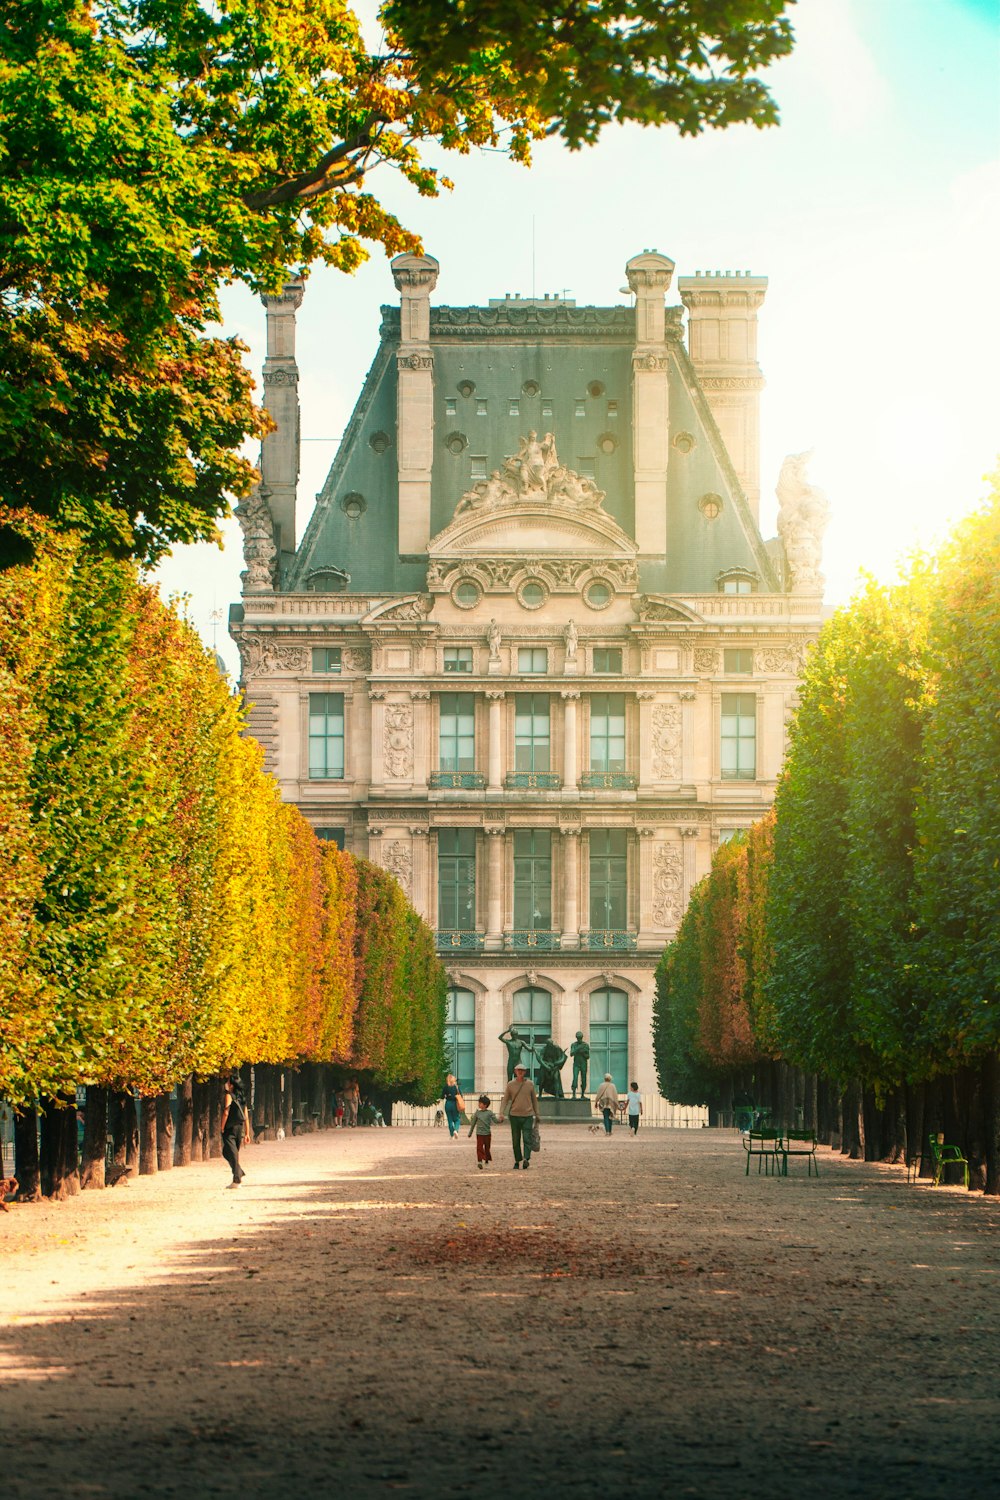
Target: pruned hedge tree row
[164, 916]
[841, 963]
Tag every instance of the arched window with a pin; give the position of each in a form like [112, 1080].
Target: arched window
[460, 1038]
[609, 1038]
[533, 1020]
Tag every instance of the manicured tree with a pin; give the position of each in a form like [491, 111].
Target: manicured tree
[682, 1068]
[336, 974]
[958, 817]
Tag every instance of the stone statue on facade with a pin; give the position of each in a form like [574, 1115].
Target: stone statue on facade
[515, 1043]
[551, 1059]
[259, 551]
[580, 1053]
[572, 638]
[493, 637]
[803, 516]
[533, 474]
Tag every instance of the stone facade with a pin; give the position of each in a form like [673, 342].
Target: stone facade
[537, 667]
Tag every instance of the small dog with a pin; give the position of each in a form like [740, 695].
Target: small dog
[8, 1187]
[595, 1129]
[439, 1117]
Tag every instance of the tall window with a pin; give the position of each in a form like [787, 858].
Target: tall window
[532, 880]
[737, 659]
[460, 1038]
[608, 879]
[739, 736]
[531, 732]
[533, 1019]
[532, 659]
[326, 736]
[326, 658]
[330, 836]
[607, 732]
[607, 659]
[458, 658]
[458, 731]
[457, 879]
[609, 1038]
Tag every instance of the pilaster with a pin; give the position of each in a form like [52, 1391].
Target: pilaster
[495, 842]
[279, 454]
[570, 887]
[495, 777]
[649, 277]
[570, 764]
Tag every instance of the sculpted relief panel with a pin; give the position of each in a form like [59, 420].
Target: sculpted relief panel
[259, 654]
[397, 859]
[668, 885]
[398, 740]
[667, 742]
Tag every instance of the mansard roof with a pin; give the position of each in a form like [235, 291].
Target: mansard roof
[501, 370]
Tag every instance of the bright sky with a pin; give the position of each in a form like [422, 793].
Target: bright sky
[874, 209]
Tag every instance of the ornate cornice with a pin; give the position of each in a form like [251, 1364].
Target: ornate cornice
[517, 322]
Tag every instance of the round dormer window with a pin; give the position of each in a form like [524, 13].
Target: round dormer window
[710, 506]
[467, 594]
[353, 505]
[532, 594]
[598, 594]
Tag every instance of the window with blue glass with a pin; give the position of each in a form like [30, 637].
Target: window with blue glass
[457, 732]
[607, 732]
[739, 737]
[609, 1038]
[331, 836]
[460, 1038]
[532, 880]
[608, 879]
[326, 736]
[327, 658]
[532, 739]
[532, 1018]
[457, 879]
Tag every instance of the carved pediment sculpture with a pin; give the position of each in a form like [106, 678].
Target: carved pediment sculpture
[259, 551]
[656, 607]
[803, 516]
[533, 474]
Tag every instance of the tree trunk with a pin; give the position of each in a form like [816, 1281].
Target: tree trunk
[810, 1104]
[897, 1143]
[854, 1123]
[872, 1126]
[26, 1161]
[95, 1138]
[164, 1133]
[185, 1123]
[60, 1168]
[991, 1119]
[214, 1087]
[130, 1131]
[148, 1162]
[199, 1144]
[286, 1102]
[915, 1140]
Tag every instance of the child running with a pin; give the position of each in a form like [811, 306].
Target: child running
[482, 1123]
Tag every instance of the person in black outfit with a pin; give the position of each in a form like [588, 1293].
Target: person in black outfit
[235, 1127]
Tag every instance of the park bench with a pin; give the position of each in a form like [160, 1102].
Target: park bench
[944, 1156]
[798, 1143]
[764, 1145]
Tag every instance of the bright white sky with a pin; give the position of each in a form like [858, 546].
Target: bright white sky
[874, 209]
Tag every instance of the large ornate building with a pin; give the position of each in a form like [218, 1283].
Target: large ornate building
[532, 653]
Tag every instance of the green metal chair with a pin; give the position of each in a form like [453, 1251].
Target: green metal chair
[945, 1156]
[798, 1143]
[764, 1145]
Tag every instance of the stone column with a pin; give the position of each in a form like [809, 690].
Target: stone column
[415, 277]
[645, 756]
[571, 887]
[377, 697]
[421, 895]
[375, 844]
[279, 454]
[649, 278]
[648, 934]
[421, 736]
[495, 778]
[570, 773]
[494, 887]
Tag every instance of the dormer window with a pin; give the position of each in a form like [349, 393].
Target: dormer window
[737, 581]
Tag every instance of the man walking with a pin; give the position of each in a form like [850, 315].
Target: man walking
[520, 1103]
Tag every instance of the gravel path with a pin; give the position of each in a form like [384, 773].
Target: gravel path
[369, 1314]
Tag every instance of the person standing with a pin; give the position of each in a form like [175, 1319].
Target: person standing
[520, 1103]
[453, 1105]
[235, 1127]
[633, 1104]
[606, 1100]
[482, 1123]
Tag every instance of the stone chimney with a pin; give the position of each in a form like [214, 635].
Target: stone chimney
[649, 278]
[279, 457]
[722, 338]
[415, 277]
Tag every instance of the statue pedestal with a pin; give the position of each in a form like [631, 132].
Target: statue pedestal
[566, 1111]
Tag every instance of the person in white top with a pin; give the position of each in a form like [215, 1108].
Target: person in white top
[634, 1106]
[606, 1100]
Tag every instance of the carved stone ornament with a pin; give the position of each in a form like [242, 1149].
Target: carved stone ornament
[667, 742]
[533, 474]
[411, 609]
[259, 654]
[651, 607]
[415, 361]
[779, 659]
[398, 740]
[803, 516]
[397, 860]
[649, 362]
[259, 551]
[358, 658]
[281, 377]
[706, 661]
[559, 576]
[668, 884]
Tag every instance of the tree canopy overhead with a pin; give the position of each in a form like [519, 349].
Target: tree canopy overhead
[153, 150]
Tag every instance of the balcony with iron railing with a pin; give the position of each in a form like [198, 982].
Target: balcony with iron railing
[609, 781]
[520, 940]
[532, 781]
[456, 781]
[607, 939]
[452, 941]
